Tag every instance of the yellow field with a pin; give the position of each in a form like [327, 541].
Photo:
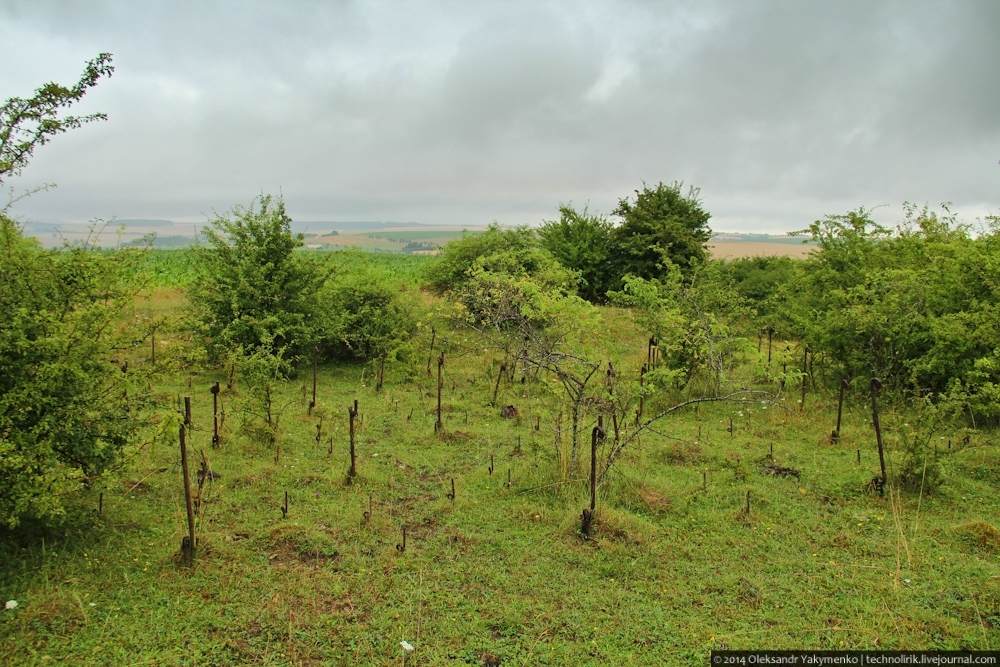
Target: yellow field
[739, 249]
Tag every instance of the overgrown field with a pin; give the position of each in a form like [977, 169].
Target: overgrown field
[500, 574]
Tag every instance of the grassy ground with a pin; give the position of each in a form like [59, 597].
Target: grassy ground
[500, 575]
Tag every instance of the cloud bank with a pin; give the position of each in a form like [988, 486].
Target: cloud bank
[462, 113]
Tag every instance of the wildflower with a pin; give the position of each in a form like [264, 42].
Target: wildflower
[11, 604]
[407, 646]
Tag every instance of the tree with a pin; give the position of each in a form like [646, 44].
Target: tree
[68, 396]
[26, 124]
[513, 252]
[581, 241]
[661, 222]
[250, 287]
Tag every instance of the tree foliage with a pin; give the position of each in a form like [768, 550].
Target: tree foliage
[581, 242]
[917, 304]
[68, 402]
[363, 314]
[251, 288]
[512, 252]
[26, 124]
[661, 222]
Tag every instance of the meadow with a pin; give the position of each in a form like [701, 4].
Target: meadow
[726, 524]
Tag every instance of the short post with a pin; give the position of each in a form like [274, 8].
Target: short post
[352, 414]
[642, 373]
[876, 385]
[805, 376]
[835, 436]
[312, 403]
[215, 414]
[189, 552]
[496, 388]
[430, 352]
[381, 371]
[439, 425]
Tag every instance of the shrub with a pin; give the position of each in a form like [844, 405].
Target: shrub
[363, 316]
[581, 242]
[68, 404]
[510, 252]
[251, 287]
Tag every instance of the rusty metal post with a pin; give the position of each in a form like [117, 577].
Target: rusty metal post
[215, 414]
[496, 389]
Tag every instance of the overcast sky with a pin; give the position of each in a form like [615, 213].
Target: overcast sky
[465, 112]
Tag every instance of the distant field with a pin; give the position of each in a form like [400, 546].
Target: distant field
[720, 249]
[392, 240]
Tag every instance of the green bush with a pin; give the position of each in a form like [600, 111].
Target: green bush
[68, 405]
[581, 241]
[251, 286]
[364, 315]
[662, 223]
[511, 252]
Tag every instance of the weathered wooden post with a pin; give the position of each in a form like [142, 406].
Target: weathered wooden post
[190, 539]
[876, 385]
[439, 425]
[352, 414]
[430, 352]
[496, 389]
[312, 403]
[835, 436]
[805, 376]
[215, 414]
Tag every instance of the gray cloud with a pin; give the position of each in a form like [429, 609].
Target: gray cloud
[462, 113]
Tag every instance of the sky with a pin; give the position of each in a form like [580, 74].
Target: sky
[460, 113]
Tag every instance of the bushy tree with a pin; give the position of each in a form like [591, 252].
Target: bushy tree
[697, 323]
[251, 286]
[512, 252]
[662, 222]
[68, 403]
[363, 314]
[918, 304]
[581, 241]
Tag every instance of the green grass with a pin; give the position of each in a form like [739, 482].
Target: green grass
[673, 569]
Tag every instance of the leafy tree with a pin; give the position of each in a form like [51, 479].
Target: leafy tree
[513, 252]
[581, 241]
[68, 405]
[251, 288]
[697, 323]
[661, 223]
[918, 304]
[364, 314]
[26, 124]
